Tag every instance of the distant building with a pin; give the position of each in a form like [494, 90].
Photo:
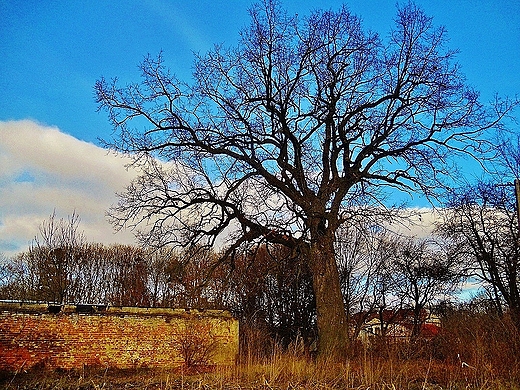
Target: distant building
[397, 324]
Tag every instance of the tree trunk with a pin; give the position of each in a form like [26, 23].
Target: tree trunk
[333, 337]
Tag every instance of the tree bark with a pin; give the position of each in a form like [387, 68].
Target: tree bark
[332, 322]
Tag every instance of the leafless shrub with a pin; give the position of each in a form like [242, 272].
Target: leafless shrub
[196, 343]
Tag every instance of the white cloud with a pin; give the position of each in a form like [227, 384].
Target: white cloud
[42, 170]
[418, 222]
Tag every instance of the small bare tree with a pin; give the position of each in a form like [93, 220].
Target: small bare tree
[482, 227]
[195, 343]
[422, 272]
[52, 258]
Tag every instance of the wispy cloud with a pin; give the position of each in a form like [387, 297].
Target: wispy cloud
[43, 169]
[181, 23]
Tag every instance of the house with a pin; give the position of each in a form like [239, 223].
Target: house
[397, 324]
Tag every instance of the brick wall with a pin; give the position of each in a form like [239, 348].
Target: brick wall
[71, 337]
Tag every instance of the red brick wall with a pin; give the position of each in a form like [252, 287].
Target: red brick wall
[116, 337]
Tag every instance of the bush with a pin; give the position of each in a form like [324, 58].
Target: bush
[195, 344]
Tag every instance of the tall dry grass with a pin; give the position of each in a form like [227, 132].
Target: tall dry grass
[281, 371]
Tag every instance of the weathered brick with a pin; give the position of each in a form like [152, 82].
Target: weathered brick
[114, 337]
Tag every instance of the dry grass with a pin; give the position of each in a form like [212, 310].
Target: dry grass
[282, 370]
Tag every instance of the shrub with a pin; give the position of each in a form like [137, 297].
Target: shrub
[195, 343]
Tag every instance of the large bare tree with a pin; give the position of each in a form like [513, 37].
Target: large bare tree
[287, 134]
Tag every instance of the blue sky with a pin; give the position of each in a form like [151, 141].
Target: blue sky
[52, 52]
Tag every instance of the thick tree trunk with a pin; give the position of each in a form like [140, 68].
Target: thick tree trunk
[333, 337]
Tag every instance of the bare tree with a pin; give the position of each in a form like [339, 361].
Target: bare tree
[273, 293]
[158, 280]
[289, 133]
[482, 227]
[482, 223]
[5, 272]
[362, 257]
[190, 280]
[51, 258]
[11, 278]
[422, 274]
[128, 276]
[94, 271]
[61, 267]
